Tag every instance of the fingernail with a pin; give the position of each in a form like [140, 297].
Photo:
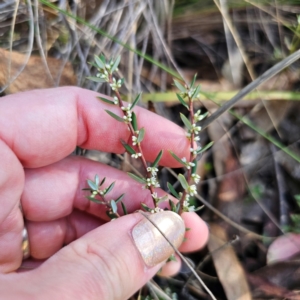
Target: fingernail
[152, 245]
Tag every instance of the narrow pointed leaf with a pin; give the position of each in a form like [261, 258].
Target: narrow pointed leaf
[182, 101]
[119, 198]
[116, 64]
[180, 86]
[137, 178]
[205, 148]
[102, 57]
[128, 148]
[186, 121]
[183, 181]
[111, 186]
[92, 185]
[197, 91]
[172, 205]
[106, 100]
[172, 190]
[99, 63]
[177, 207]
[157, 159]
[96, 180]
[199, 208]
[124, 208]
[96, 79]
[122, 81]
[204, 116]
[177, 158]
[141, 135]
[134, 121]
[95, 200]
[102, 181]
[115, 116]
[136, 100]
[145, 207]
[113, 206]
[193, 81]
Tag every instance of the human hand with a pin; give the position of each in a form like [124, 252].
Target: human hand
[38, 131]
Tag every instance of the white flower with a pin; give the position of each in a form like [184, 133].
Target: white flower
[192, 190]
[189, 165]
[196, 178]
[136, 155]
[197, 138]
[153, 171]
[134, 140]
[183, 159]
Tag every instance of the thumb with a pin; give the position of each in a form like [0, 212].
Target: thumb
[112, 261]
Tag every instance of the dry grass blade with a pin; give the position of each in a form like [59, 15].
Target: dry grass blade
[253, 85]
[229, 269]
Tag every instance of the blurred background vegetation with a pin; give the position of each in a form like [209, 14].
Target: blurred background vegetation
[250, 177]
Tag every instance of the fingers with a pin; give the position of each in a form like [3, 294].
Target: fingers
[44, 126]
[98, 266]
[46, 238]
[52, 192]
[11, 220]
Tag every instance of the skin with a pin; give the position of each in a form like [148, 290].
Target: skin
[75, 251]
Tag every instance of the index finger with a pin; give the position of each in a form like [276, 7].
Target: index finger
[44, 126]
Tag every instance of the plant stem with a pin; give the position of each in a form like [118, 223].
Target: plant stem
[133, 133]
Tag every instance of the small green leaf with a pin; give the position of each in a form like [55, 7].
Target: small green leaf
[182, 101]
[196, 92]
[95, 200]
[99, 62]
[137, 178]
[124, 208]
[96, 79]
[96, 180]
[194, 168]
[115, 116]
[113, 206]
[119, 198]
[199, 208]
[106, 100]
[162, 199]
[177, 158]
[111, 186]
[172, 190]
[116, 64]
[205, 148]
[157, 159]
[134, 121]
[145, 207]
[122, 81]
[172, 205]
[92, 185]
[186, 121]
[136, 100]
[180, 86]
[111, 215]
[183, 181]
[102, 181]
[193, 81]
[102, 57]
[128, 148]
[172, 258]
[187, 229]
[140, 135]
[177, 207]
